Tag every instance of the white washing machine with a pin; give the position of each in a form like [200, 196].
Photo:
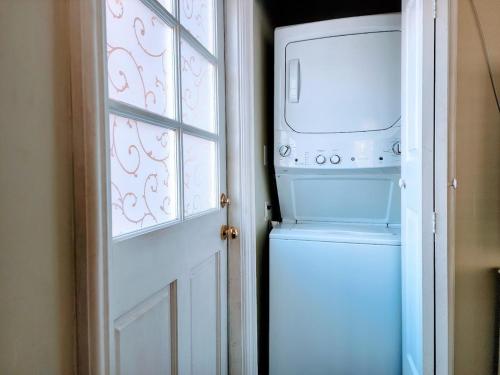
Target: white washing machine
[335, 282]
[335, 299]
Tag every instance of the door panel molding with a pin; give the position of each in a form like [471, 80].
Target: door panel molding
[163, 304]
[204, 291]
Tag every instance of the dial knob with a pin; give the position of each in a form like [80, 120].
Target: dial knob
[396, 148]
[335, 159]
[320, 159]
[285, 150]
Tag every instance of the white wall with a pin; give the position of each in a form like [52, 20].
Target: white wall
[36, 252]
[477, 231]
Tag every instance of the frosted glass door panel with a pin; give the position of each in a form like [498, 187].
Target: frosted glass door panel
[198, 89]
[143, 175]
[200, 174]
[140, 57]
[167, 4]
[198, 17]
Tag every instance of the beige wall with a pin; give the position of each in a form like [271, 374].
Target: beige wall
[477, 231]
[263, 90]
[263, 37]
[36, 253]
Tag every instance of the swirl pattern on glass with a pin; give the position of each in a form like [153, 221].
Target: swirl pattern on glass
[200, 171]
[140, 57]
[198, 17]
[143, 175]
[198, 89]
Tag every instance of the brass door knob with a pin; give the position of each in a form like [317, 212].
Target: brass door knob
[229, 231]
[224, 200]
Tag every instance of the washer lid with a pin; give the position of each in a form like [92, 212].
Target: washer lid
[343, 83]
[339, 232]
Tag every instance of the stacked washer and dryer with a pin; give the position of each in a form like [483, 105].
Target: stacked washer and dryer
[335, 272]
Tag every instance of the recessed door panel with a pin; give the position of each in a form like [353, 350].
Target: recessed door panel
[146, 336]
[346, 83]
[204, 292]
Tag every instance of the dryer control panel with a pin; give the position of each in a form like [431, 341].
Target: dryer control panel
[339, 151]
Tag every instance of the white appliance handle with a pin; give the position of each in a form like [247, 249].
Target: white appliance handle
[293, 80]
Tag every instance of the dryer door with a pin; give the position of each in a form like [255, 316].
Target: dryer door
[343, 84]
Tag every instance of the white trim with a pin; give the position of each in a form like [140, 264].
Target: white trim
[90, 193]
[441, 189]
[241, 187]
[444, 271]
[428, 98]
[445, 66]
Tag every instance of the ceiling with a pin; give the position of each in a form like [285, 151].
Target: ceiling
[290, 12]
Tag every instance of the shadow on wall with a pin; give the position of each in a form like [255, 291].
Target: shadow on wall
[495, 274]
[291, 12]
[37, 275]
[488, 55]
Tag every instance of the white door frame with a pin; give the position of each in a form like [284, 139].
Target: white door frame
[445, 31]
[242, 290]
[91, 234]
[91, 218]
[90, 193]
[445, 61]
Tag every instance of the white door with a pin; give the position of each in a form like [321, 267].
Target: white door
[319, 83]
[167, 265]
[417, 187]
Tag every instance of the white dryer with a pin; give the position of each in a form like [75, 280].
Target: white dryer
[335, 283]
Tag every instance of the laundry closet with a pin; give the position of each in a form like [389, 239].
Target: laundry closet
[330, 268]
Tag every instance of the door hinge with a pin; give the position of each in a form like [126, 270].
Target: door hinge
[453, 184]
[434, 222]
[434, 8]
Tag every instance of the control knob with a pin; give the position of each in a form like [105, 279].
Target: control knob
[320, 159]
[285, 150]
[335, 159]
